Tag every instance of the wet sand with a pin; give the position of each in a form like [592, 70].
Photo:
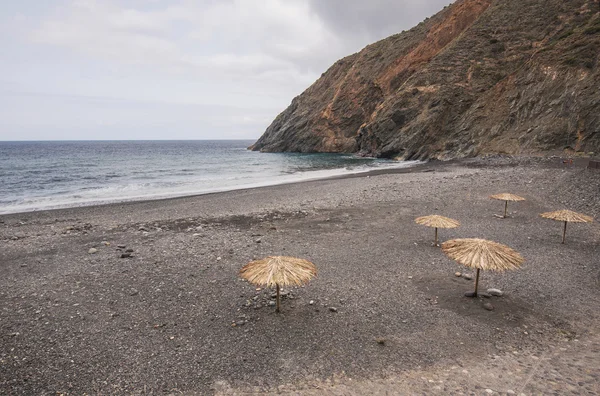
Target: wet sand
[175, 318]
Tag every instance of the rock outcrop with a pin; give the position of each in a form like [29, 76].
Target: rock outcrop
[481, 76]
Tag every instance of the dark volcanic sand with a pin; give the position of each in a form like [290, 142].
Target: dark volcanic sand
[175, 318]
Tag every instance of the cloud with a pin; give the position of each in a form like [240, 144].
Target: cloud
[374, 19]
[250, 56]
[233, 38]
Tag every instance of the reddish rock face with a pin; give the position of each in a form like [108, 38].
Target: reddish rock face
[481, 76]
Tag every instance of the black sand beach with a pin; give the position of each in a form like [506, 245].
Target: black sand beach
[385, 315]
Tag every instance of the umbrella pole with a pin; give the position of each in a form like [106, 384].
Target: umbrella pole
[277, 307]
[436, 237]
[564, 232]
[476, 282]
[505, 208]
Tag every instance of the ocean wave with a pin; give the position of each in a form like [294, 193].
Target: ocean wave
[168, 189]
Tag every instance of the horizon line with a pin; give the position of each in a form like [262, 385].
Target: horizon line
[121, 140]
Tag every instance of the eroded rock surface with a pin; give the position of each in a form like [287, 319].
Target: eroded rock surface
[481, 76]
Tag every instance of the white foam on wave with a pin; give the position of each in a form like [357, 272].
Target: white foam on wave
[144, 192]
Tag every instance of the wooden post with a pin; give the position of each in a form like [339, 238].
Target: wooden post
[278, 304]
[564, 232]
[505, 208]
[476, 282]
[436, 237]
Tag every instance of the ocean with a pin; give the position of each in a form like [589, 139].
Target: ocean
[58, 174]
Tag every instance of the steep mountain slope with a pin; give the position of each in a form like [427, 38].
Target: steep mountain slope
[481, 76]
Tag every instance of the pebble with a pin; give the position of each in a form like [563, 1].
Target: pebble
[380, 341]
[121, 246]
[92, 250]
[488, 306]
[311, 302]
[258, 240]
[484, 294]
[125, 255]
[333, 309]
[467, 276]
[457, 274]
[271, 303]
[495, 292]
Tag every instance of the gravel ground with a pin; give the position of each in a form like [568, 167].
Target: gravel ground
[385, 311]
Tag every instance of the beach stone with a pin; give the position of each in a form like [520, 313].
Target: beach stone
[125, 255]
[484, 294]
[488, 306]
[258, 240]
[469, 294]
[467, 276]
[457, 274]
[333, 309]
[129, 250]
[121, 246]
[92, 250]
[311, 302]
[271, 303]
[495, 292]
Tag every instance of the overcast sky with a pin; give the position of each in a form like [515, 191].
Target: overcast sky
[166, 69]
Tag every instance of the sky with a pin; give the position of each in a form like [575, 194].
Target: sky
[175, 69]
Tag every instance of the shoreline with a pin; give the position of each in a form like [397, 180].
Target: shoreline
[158, 199]
[427, 166]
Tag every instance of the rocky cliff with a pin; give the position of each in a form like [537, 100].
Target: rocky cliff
[481, 76]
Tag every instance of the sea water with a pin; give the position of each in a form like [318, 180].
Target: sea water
[54, 174]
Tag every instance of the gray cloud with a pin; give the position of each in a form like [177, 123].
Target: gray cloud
[374, 19]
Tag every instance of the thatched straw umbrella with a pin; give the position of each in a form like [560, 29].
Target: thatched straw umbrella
[278, 271]
[482, 255]
[437, 221]
[507, 197]
[568, 216]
